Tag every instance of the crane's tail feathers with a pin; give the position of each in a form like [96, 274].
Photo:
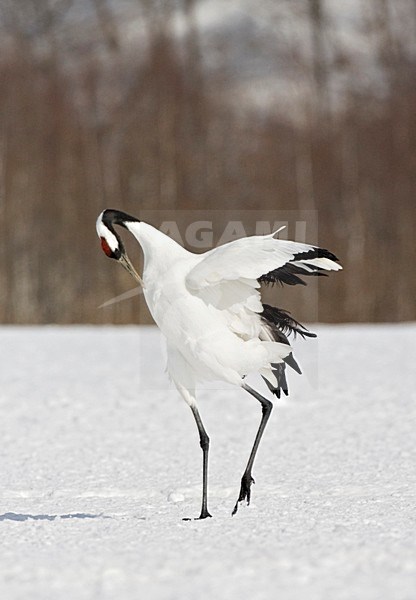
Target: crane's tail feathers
[280, 322]
[291, 362]
[281, 382]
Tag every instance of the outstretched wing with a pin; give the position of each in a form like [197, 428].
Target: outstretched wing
[259, 258]
[228, 277]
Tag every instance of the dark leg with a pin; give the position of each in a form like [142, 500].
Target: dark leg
[204, 442]
[247, 478]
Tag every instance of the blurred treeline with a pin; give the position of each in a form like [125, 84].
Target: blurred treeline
[91, 119]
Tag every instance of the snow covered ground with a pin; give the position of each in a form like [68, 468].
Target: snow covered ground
[100, 461]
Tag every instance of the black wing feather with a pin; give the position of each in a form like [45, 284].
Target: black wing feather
[279, 323]
[289, 274]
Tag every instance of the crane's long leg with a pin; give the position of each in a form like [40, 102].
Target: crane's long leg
[247, 478]
[204, 442]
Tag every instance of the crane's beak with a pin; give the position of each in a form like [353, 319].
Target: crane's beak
[125, 261]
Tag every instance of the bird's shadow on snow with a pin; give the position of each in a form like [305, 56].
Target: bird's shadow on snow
[11, 516]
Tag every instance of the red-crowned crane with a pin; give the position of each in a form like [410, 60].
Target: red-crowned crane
[208, 307]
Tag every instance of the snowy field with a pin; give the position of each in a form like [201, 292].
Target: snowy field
[100, 461]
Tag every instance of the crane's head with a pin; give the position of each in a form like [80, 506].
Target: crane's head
[111, 243]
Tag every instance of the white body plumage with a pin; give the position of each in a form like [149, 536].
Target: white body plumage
[208, 305]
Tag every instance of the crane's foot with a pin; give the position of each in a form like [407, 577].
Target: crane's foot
[204, 515]
[245, 491]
